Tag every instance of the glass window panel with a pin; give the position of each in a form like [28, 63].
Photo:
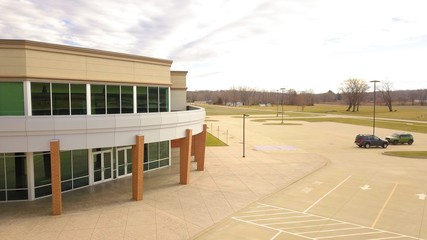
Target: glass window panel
[66, 165]
[78, 99]
[40, 98]
[65, 186]
[80, 163]
[146, 152]
[80, 182]
[153, 152]
[164, 99]
[43, 191]
[164, 149]
[97, 99]
[127, 99]
[60, 99]
[141, 99]
[17, 195]
[145, 166]
[11, 99]
[153, 165]
[16, 171]
[2, 172]
[129, 160]
[2, 195]
[164, 162]
[42, 174]
[113, 99]
[153, 96]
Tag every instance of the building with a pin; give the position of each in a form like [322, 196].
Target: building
[73, 117]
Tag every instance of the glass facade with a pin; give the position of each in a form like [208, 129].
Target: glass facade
[142, 99]
[156, 155]
[40, 99]
[11, 99]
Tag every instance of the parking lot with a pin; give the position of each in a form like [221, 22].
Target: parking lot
[360, 194]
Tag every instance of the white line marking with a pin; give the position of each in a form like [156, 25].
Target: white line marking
[385, 204]
[382, 238]
[336, 222]
[347, 235]
[342, 182]
[270, 214]
[277, 234]
[330, 230]
[315, 220]
[268, 219]
[309, 226]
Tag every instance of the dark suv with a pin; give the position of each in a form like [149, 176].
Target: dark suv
[367, 141]
[402, 138]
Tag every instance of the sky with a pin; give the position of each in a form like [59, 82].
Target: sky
[305, 45]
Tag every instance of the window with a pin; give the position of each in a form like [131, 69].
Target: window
[13, 177]
[40, 98]
[98, 99]
[74, 169]
[141, 99]
[11, 99]
[153, 99]
[60, 99]
[42, 174]
[113, 99]
[156, 155]
[126, 99]
[78, 99]
[164, 99]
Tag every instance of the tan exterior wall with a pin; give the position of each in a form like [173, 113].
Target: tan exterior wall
[179, 80]
[26, 59]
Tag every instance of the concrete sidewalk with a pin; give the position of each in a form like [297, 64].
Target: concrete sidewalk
[169, 210]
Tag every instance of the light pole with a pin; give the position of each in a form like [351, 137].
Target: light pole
[282, 89]
[244, 116]
[373, 124]
[277, 103]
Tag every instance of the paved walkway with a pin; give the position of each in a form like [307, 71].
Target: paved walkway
[169, 210]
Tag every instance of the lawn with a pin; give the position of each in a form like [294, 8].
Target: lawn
[212, 141]
[408, 154]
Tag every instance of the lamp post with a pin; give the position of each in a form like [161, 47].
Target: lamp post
[373, 124]
[244, 116]
[277, 103]
[282, 89]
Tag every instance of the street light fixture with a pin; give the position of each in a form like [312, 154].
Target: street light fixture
[244, 116]
[282, 89]
[373, 124]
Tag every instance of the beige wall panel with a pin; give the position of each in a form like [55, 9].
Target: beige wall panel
[56, 73]
[12, 62]
[110, 77]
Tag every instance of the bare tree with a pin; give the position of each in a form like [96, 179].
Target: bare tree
[387, 94]
[353, 91]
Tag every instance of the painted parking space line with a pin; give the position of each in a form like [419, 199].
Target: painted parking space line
[333, 189]
[384, 206]
[310, 226]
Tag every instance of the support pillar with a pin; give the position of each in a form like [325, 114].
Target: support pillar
[55, 163]
[199, 149]
[185, 158]
[138, 169]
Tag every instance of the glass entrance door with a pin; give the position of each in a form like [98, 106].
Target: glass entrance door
[102, 166]
[124, 161]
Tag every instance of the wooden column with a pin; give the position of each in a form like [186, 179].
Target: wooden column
[55, 164]
[185, 158]
[138, 169]
[199, 149]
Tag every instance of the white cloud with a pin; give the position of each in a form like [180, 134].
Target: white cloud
[311, 44]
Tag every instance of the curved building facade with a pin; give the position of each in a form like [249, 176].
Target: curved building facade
[73, 117]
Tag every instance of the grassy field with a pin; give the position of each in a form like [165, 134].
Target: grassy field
[318, 113]
[408, 154]
[212, 141]
[418, 113]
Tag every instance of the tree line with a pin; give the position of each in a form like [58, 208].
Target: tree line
[352, 92]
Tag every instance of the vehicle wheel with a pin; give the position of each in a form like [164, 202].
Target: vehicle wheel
[410, 142]
[395, 142]
[367, 145]
[359, 146]
[385, 145]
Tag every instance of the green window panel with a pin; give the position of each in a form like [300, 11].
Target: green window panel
[98, 99]
[78, 99]
[11, 99]
[60, 99]
[113, 99]
[126, 99]
[142, 99]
